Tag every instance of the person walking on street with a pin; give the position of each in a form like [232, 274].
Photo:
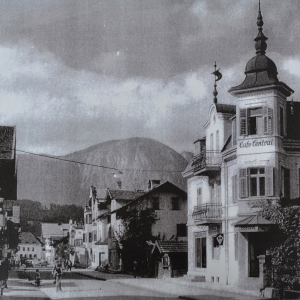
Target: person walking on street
[70, 265]
[5, 269]
[58, 276]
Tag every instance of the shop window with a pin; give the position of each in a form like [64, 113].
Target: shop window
[199, 196]
[255, 182]
[200, 252]
[256, 121]
[216, 249]
[181, 230]
[285, 182]
[155, 203]
[175, 203]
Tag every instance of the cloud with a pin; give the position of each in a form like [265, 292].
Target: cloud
[292, 66]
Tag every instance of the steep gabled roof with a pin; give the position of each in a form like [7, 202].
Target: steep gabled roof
[166, 187]
[171, 247]
[7, 142]
[124, 195]
[28, 238]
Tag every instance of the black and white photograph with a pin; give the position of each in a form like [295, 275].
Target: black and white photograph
[149, 149]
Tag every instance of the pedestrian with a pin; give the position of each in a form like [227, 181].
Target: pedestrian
[54, 271]
[2, 278]
[37, 277]
[5, 269]
[135, 268]
[70, 265]
[58, 276]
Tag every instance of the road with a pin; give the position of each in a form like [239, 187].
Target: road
[76, 286]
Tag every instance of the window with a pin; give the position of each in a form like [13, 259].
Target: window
[285, 182]
[256, 182]
[32, 248]
[212, 141]
[23, 248]
[200, 252]
[90, 237]
[181, 230]
[83, 237]
[175, 203]
[217, 140]
[94, 235]
[28, 249]
[155, 203]
[256, 121]
[199, 196]
[234, 188]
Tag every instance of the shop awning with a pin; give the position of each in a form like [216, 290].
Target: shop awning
[253, 223]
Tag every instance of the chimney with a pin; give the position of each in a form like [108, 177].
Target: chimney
[153, 184]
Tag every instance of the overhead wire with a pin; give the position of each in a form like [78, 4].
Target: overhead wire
[88, 164]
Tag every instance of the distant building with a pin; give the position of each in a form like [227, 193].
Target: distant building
[51, 233]
[29, 246]
[8, 172]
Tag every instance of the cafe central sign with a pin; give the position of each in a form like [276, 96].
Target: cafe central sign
[256, 143]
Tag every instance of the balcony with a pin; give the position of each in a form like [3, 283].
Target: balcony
[207, 161]
[209, 213]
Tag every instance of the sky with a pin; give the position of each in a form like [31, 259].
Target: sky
[75, 73]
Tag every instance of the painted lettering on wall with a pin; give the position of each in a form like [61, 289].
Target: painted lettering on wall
[256, 143]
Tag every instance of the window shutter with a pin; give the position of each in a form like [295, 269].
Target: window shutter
[234, 132]
[287, 182]
[270, 121]
[243, 183]
[269, 187]
[234, 188]
[243, 122]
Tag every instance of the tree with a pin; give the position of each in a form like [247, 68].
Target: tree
[285, 252]
[136, 231]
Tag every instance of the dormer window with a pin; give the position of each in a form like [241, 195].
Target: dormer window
[256, 121]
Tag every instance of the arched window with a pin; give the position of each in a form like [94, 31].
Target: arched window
[30, 256]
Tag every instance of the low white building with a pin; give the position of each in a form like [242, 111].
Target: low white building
[29, 247]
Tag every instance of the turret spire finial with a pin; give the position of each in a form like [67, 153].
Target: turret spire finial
[260, 40]
[218, 76]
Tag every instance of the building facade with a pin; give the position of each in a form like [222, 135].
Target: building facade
[8, 171]
[249, 156]
[29, 247]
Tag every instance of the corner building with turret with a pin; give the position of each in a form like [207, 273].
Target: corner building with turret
[250, 155]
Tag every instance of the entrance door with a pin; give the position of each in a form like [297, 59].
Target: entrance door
[257, 246]
[100, 261]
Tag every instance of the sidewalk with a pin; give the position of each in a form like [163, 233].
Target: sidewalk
[191, 290]
[100, 275]
[181, 286]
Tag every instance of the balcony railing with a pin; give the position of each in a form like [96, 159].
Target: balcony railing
[207, 159]
[208, 213]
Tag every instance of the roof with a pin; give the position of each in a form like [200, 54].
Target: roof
[7, 142]
[253, 220]
[53, 229]
[171, 246]
[124, 195]
[105, 242]
[226, 108]
[28, 238]
[166, 186]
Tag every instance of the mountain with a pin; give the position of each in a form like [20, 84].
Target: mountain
[139, 159]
